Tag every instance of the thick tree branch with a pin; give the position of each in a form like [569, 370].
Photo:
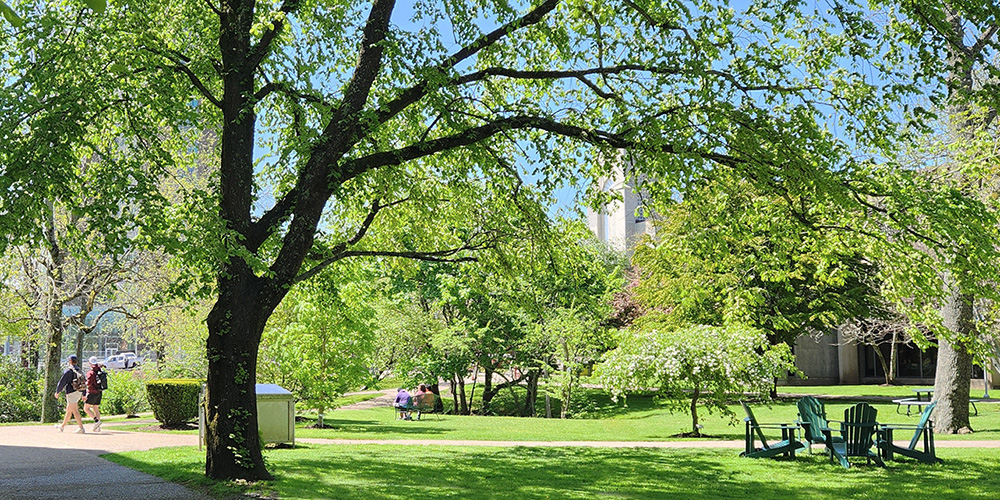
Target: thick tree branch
[179, 63]
[418, 91]
[369, 61]
[433, 256]
[263, 46]
[474, 135]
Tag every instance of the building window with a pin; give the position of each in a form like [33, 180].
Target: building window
[910, 361]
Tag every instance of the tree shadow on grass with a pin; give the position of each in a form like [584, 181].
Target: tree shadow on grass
[487, 473]
[376, 428]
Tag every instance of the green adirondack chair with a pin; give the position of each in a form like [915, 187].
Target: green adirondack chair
[786, 446]
[924, 428]
[858, 432]
[812, 419]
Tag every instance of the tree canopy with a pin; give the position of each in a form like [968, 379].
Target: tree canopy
[348, 129]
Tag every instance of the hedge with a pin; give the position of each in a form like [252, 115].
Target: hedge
[174, 401]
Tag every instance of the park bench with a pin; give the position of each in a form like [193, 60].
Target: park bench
[420, 404]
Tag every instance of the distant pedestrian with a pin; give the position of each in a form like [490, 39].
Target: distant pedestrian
[402, 404]
[73, 383]
[97, 381]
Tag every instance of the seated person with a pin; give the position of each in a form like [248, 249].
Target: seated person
[402, 404]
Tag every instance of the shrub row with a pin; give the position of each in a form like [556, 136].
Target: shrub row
[174, 401]
[19, 393]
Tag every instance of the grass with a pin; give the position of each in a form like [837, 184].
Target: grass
[645, 419]
[893, 391]
[376, 472]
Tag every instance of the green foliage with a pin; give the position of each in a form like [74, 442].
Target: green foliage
[733, 255]
[126, 393]
[174, 401]
[20, 390]
[696, 364]
[318, 343]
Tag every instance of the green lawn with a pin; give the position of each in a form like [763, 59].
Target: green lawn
[643, 421]
[895, 391]
[375, 472]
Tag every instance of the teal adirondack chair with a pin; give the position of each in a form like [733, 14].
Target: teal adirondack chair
[812, 419]
[924, 428]
[786, 446]
[858, 432]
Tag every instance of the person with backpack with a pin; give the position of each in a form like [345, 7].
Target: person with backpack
[73, 383]
[97, 381]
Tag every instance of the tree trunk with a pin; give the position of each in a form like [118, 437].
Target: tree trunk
[893, 351]
[531, 399]
[954, 367]
[53, 364]
[458, 394]
[694, 411]
[54, 317]
[881, 360]
[235, 326]
[488, 390]
[438, 404]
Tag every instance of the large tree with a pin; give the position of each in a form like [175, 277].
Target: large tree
[77, 168]
[957, 45]
[361, 109]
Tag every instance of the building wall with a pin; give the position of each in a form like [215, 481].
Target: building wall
[818, 359]
[617, 224]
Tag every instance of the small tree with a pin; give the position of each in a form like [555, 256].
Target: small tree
[696, 364]
[876, 332]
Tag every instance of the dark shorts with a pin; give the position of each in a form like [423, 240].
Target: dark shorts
[94, 398]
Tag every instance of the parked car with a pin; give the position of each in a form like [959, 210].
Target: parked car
[122, 361]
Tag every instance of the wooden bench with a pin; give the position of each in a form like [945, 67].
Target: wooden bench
[425, 403]
[420, 404]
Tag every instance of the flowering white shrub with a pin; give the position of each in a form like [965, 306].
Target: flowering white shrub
[710, 365]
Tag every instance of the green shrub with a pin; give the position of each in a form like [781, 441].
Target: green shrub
[174, 401]
[125, 394]
[509, 402]
[20, 390]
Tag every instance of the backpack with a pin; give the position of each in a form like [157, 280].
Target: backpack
[80, 382]
[102, 380]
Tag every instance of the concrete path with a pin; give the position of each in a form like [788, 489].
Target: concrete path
[38, 462]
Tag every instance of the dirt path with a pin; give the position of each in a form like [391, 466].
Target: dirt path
[385, 399]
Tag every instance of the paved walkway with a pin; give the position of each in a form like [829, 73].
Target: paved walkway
[40, 463]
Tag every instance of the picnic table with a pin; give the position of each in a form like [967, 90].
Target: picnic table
[923, 399]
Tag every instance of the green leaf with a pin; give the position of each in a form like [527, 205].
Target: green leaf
[10, 15]
[98, 6]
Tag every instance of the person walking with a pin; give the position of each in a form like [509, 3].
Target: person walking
[97, 381]
[73, 383]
